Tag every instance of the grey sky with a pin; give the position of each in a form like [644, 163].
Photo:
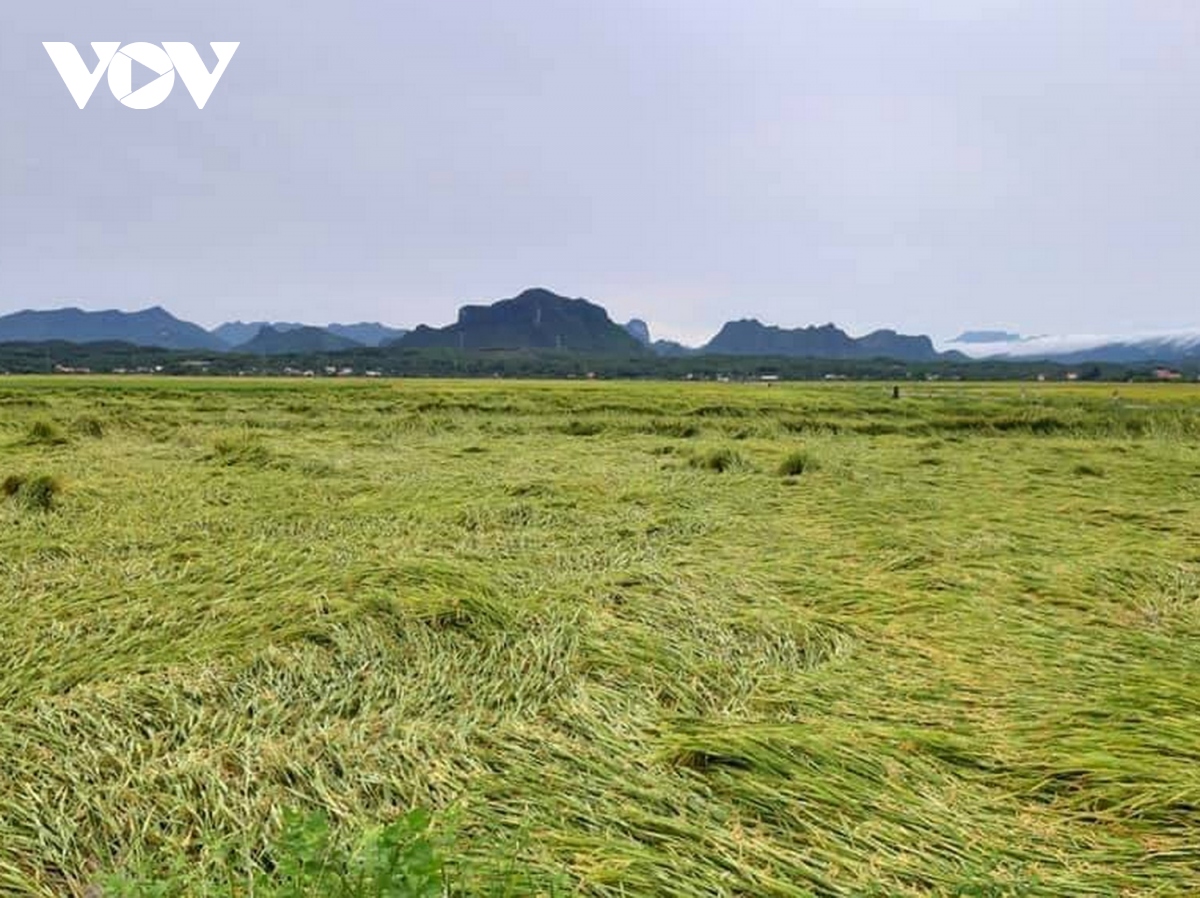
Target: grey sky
[929, 166]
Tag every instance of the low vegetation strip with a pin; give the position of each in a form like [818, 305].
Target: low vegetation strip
[492, 638]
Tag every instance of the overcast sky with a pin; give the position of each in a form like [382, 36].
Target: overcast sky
[929, 166]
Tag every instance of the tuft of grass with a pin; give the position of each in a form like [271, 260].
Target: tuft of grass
[89, 426]
[718, 460]
[45, 433]
[798, 462]
[1087, 470]
[35, 493]
[240, 449]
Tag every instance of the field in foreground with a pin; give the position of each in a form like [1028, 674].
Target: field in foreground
[635, 639]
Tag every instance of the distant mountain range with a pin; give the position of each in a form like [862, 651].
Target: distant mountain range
[149, 327]
[159, 328]
[539, 319]
[273, 341]
[368, 333]
[238, 333]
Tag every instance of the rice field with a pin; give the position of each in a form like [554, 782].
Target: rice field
[617, 639]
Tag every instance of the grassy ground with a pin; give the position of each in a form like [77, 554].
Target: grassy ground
[650, 639]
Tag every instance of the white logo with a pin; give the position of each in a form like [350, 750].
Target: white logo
[163, 61]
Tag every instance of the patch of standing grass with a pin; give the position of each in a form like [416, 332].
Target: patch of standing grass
[36, 493]
[719, 460]
[798, 462]
[89, 426]
[45, 433]
[240, 449]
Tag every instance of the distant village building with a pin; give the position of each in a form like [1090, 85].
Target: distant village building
[1167, 374]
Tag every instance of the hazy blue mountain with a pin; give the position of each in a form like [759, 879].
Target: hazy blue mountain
[149, 327]
[271, 341]
[233, 333]
[671, 348]
[639, 330]
[365, 333]
[368, 333]
[887, 344]
[236, 333]
[986, 337]
[537, 319]
[752, 337]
